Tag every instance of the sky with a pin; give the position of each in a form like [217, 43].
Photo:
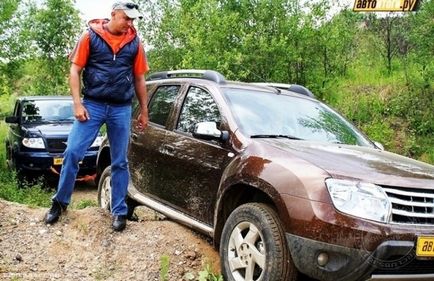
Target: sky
[92, 9]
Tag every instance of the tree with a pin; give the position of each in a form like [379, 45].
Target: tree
[53, 31]
[7, 10]
[391, 33]
[421, 37]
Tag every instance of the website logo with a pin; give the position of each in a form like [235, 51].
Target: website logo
[385, 5]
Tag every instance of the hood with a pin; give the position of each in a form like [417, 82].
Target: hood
[48, 130]
[97, 26]
[364, 163]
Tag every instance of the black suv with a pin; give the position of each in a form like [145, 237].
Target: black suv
[285, 186]
[37, 137]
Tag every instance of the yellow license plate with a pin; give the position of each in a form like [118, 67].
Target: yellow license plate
[58, 161]
[425, 246]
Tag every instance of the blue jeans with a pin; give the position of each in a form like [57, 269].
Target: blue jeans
[117, 119]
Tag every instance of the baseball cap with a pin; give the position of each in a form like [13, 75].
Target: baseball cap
[131, 9]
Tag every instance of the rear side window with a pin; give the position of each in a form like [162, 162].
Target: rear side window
[199, 106]
[161, 103]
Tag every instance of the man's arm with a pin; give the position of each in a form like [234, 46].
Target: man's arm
[80, 111]
[142, 97]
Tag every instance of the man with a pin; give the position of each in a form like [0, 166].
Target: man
[113, 63]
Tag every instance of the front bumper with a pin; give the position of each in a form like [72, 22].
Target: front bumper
[43, 162]
[391, 260]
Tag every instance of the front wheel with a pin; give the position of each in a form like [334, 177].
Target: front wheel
[105, 191]
[253, 246]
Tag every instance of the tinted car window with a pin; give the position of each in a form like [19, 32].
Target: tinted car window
[161, 103]
[198, 106]
[47, 111]
[261, 113]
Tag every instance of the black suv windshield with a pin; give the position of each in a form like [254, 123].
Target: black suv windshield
[262, 114]
[40, 111]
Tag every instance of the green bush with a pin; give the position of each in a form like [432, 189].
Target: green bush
[35, 195]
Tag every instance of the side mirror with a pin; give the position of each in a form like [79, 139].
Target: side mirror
[378, 145]
[209, 131]
[12, 119]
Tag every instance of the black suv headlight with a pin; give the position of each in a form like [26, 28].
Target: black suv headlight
[360, 199]
[97, 142]
[34, 143]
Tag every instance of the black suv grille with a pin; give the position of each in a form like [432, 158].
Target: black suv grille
[411, 206]
[56, 145]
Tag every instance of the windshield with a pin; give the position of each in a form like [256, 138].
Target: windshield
[41, 111]
[263, 114]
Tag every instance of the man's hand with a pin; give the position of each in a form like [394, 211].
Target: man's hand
[81, 113]
[142, 121]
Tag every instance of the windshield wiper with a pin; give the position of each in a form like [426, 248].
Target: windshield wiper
[275, 136]
[65, 119]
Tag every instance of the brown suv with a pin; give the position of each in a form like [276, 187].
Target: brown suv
[284, 185]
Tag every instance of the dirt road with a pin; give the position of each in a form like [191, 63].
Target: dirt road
[82, 246]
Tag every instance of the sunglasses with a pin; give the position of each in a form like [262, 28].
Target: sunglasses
[131, 6]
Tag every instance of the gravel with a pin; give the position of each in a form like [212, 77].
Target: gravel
[82, 246]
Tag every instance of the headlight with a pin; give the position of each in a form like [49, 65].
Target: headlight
[364, 200]
[34, 143]
[97, 142]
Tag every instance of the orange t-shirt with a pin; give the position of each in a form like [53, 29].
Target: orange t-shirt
[81, 52]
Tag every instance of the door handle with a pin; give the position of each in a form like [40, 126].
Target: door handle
[134, 136]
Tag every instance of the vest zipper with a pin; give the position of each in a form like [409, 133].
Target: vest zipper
[114, 56]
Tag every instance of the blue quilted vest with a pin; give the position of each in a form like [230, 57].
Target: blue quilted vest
[108, 77]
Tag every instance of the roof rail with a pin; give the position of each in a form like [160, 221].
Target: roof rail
[188, 73]
[289, 87]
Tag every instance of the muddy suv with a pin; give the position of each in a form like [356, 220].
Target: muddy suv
[285, 186]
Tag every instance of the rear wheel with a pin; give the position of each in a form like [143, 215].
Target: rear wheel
[253, 246]
[105, 189]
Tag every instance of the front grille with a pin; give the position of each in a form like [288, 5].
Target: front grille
[411, 206]
[56, 145]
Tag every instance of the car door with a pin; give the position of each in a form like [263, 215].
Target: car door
[191, 167]
[145, 146]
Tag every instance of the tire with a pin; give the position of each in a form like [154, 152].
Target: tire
[104, 195]
[105, 189]
[260, 253]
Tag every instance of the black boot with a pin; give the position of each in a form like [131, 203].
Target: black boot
[54, 213]
[131, 216]
[131, 204]
[119, 223]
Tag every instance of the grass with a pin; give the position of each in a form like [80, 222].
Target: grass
[387, 108]
[34, 196]
[164, 267]
[208, 275]
[84, 203]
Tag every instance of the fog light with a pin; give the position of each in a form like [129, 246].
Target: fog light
[323, 259]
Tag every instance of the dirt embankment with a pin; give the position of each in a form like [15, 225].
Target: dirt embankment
[82, 246]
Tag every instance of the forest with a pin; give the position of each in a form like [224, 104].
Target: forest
[376, 69]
